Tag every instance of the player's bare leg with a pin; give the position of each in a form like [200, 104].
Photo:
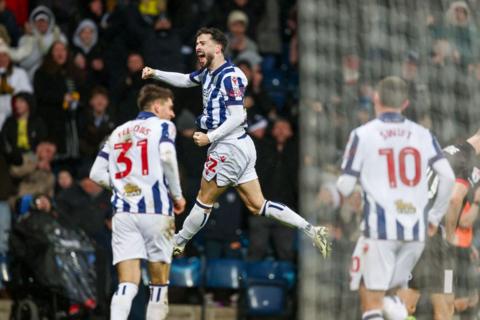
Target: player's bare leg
[128, 280]
[410, 297]
[198, 216]
[157, 308]
[252, 196]
[372, 303]
[443, 306]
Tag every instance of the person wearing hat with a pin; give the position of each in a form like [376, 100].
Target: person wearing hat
[12, 80]
[237, 23]
[44, 32]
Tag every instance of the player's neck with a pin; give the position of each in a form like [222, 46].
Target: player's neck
[388, 110]
[474, 141]
[216, 63]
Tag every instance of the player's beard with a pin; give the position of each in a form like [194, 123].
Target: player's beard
[208, 58]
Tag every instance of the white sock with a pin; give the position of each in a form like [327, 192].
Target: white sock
[372, 315]
[157, 308]
[195, 221]
[394, 308]
[122, 300]
[287, 216]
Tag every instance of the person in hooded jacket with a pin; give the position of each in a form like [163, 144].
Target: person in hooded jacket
[45, 32]
[12, 80]
[88, 53]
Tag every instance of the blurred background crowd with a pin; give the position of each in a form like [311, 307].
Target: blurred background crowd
[70, 72]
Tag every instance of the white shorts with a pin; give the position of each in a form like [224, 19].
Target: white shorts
[142, 236]
[383, 264]
[231, 162]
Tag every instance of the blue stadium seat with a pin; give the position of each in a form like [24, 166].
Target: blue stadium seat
[263, 270]
[272, 270]
[225, 273]
[288, 272]
[186, 273]
[265, 298]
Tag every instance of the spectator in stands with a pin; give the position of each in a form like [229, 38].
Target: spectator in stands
[64, 181]
[125, 94]
[238, 40]
[45, 33]
[253, 10]
[59, 86]
[95, 124]
[7, 19]
[12, 80]
[441, 81]
[277, 167]
[473, 85]
[462, 33]
[35, 173]
[24, 130]
[419, 107]
[86, 206]
[8, 157]
[162, 46]
[88, 53]
[95, 11]
[256, 98]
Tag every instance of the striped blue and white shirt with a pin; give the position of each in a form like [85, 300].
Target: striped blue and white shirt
[135, 171]
[391, 156]
[221, 88]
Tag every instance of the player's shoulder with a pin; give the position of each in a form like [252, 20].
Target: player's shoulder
[168, 130]
[235, 72]
[420, 129]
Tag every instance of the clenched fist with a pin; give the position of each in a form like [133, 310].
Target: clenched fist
[200, 139]
[147, 73]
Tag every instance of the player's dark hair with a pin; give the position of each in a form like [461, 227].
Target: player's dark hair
[149, 93]
[217, 36]
[393, 92]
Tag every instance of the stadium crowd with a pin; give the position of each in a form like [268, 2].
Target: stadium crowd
[70, 71]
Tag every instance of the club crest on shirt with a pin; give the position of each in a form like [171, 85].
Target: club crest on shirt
[236, 91]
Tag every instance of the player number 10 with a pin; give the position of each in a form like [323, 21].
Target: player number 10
[402, 156]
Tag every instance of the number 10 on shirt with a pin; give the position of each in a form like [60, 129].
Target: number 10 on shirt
[409, 152]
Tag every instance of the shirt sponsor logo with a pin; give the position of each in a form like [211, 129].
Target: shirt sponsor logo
[405, 207]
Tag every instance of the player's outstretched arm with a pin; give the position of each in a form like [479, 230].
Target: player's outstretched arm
[446, 182]
[172, 78]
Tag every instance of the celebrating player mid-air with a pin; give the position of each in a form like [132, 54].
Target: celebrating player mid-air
[231, 156]
[139, 163]
[390, 156]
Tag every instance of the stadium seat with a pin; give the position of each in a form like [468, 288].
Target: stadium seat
[263, 270]
[265, 298]
[288, 272]
[272, 270]
[186, 273]
[225, 273]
